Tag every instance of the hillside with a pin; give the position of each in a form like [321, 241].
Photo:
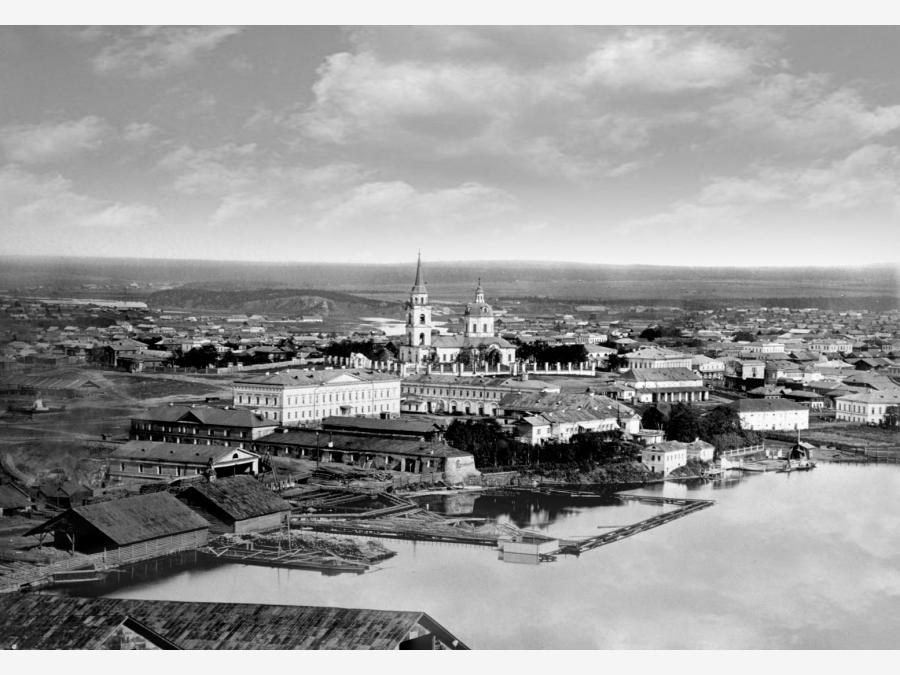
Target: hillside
[277, 301]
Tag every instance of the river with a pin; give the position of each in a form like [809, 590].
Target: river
[808, 560]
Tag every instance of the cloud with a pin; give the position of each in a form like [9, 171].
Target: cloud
[666, 62]
[397, 208]
[863, 185]
[151, 52]
[49, 202]
[139, 132]
[566, 103]
[807, 111]
[53, 141]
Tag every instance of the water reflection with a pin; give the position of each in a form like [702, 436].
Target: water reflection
[781, 561]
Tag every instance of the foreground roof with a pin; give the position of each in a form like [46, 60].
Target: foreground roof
[37, 621]
[750, 405]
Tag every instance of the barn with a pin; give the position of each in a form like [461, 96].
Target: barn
[138, 527]
[237, 504]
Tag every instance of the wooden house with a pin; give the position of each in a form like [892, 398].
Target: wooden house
[138, 527]
[237, 504]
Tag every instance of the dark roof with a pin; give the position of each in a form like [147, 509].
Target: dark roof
[206, 414]
[38, 621]
[133, 519]
[358, 443]
[12, 498]
[389, 426]
[179, 453]
[765, 405]
[240, 497]
[661, 374]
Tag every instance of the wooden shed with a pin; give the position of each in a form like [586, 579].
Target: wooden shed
[237, 504]
[37, 621]
[138, 527]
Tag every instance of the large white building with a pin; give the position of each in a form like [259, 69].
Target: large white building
[478, 339]
[304, 397]
[773, 414]
[870, 407]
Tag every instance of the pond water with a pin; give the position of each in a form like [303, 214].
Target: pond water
[808, 560]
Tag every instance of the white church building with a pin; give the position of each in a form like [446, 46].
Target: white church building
[478, 338]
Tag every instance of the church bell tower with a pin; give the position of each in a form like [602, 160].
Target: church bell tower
[418, 314]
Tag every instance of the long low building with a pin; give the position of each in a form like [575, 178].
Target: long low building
[453, 394]
[655, 385]
[238, 504]
[374, 452]
[151, 461]
[200, 425]
[37, 621]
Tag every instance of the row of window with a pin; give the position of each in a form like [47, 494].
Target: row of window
[193, 431]
[157, 469]
[311, 399]
[459, 393]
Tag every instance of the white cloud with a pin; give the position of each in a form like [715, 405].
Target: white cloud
[806, 111]
[155, 51]
[50, 202]
[666, 62]
[397, 208]
[53, 141]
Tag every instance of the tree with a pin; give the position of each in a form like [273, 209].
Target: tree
[722, 419]
[684, 424]
[650, 334]
[653, 418]
[198, 357]
[744, 336]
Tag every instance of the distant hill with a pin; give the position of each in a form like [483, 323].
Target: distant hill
[296, 287]
[274, 301]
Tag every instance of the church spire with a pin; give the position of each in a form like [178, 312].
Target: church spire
[419, 285]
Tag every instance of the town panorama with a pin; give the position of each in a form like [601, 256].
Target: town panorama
[400, 338]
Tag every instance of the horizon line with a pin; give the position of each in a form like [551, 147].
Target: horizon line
[522, 261]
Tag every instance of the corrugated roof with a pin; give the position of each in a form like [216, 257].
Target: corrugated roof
[661, 374]
[37, 621]
[134, 519]
[240, 497]
[402, 425]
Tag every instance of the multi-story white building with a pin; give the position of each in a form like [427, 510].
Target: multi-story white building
[764, 348]
[708, 368]
[871, 407]
[774, 414]
[304, 397]
[653, 385]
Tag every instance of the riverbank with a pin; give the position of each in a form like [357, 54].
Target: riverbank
[618, 473]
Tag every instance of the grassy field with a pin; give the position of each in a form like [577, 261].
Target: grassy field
[64, 444]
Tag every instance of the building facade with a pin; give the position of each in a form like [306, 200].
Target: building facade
[771, 414]
[870, 407]
[664, 458]
[200, 425]
[304, 397]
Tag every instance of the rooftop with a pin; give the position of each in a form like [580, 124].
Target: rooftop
[37, 621]
[240, 497]
[203, 414]
[176, 452]
[309, 378]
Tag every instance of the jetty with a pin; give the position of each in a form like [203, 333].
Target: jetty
[685, 507]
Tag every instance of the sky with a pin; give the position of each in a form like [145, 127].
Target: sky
[651, 145]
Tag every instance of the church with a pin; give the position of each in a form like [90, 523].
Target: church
[478, 345]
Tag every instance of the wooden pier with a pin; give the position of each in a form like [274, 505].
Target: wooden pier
[686, 507]
[271, 557]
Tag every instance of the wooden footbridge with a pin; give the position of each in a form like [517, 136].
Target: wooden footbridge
[686, 507]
